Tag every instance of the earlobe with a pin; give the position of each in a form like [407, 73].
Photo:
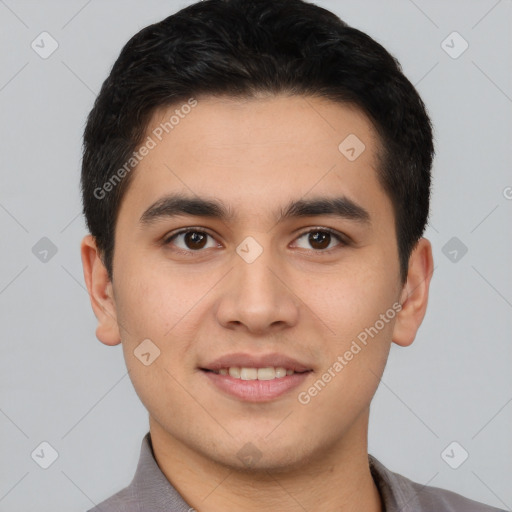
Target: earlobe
[100, 292]
[414, 297]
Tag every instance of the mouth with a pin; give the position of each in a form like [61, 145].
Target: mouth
[245, 373]
[255, 379]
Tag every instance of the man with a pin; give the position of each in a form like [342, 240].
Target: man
[256, 182]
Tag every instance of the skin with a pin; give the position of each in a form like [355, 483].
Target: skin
[256, 156]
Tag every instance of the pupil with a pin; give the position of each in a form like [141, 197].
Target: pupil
[318, 240]
[195, 239]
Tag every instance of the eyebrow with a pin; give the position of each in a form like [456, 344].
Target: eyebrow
[179, 205]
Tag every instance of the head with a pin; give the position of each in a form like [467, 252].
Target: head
[259, 119]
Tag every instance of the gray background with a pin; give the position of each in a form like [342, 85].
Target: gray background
[60, 385]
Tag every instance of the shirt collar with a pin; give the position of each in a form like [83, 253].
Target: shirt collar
[154, 492]
[150, 486]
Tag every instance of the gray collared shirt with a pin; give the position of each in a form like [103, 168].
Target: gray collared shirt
[150, 491]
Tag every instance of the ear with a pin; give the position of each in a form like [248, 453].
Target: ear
[414, 295]
[100, 292]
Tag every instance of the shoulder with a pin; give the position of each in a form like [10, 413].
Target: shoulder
[122, 501]
[401, 493]
[437, 499]
[149, 489]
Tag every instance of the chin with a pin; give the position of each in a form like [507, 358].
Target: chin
[255, 454]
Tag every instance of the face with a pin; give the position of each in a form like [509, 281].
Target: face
[294, 267]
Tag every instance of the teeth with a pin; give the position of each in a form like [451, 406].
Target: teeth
[234, 372]
[281, 372]
[248, 373]
[268, 373]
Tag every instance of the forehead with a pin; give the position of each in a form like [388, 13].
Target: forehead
[244, 151]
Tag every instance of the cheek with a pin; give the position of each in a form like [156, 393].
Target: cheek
[151, 302]
[348, 302]
[354, 356]
[154, 306]
[167, 309]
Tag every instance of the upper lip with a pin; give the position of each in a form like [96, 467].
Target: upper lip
[242, 360]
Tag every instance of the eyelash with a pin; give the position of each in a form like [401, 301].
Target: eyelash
[342, 241]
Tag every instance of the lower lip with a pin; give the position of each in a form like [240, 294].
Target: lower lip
[256, 390]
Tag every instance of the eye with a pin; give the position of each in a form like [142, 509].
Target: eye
[194, 240]
[190, 239]
[321, 239]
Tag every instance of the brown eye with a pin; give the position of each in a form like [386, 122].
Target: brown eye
[320, 240]
[190, 240]
[195, 240]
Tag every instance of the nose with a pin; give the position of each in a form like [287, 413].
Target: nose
[258, 297]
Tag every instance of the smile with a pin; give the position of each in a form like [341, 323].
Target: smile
[255, 384]
[267, 373]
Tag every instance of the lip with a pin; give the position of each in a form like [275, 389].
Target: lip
[242, 360]
[256, 390]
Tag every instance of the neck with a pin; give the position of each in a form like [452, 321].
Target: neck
[336, 480]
